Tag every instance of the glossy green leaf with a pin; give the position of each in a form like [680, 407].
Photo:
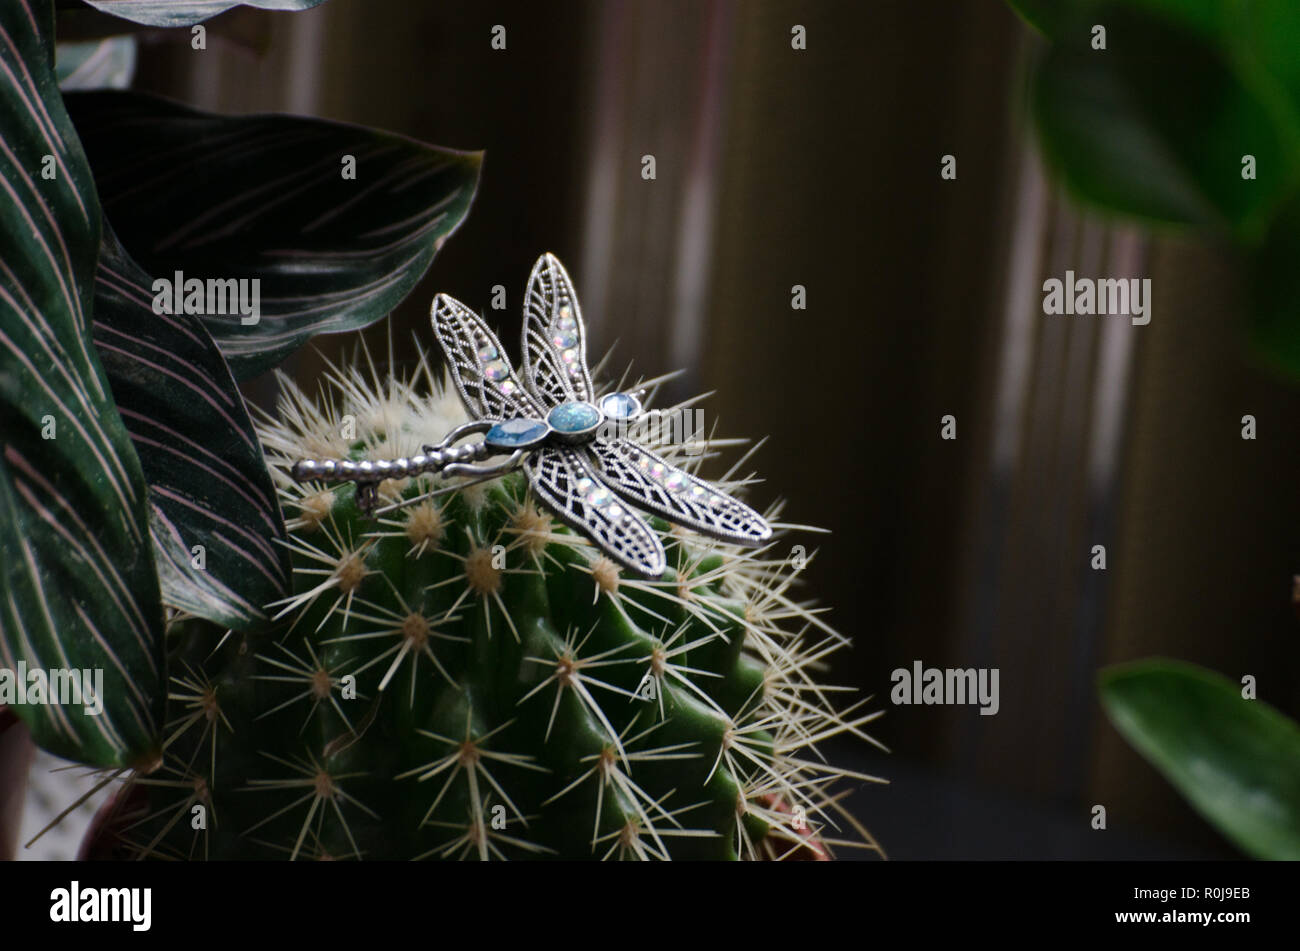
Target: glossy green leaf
[1237, 761]
[1156, 125]
[1070, 20]
[78, 587]
[1272, 285]
[1044, 15]
[1258, 37]
[269, 198]
[96, 64]
[188, 12]
[217, 533]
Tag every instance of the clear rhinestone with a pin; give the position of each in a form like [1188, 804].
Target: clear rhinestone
[496, 370]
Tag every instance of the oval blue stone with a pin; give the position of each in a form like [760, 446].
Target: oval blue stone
[620, 406]
[573, 417]
[516, 433]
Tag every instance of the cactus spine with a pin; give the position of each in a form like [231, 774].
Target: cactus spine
[465, 678]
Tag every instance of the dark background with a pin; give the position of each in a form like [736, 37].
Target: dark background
[820, 167]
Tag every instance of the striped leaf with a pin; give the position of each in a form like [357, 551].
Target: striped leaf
[78, 588]
[187, 12]
[213, 514]
[269, 198]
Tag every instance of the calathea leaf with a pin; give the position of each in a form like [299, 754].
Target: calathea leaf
[78, 590]
[336, 223]
[188, 12]
[216, 526]
[1156, 125]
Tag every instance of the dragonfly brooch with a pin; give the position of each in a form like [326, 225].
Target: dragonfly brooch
[573, 447]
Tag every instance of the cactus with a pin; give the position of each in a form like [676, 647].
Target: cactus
[465, 678]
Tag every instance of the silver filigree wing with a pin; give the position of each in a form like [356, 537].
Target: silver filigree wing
[646, 480]
[479, 365]
[563, 479]
[554, 336]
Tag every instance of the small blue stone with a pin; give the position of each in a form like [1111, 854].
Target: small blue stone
[573, 417]
[516, 433]
[620, 406]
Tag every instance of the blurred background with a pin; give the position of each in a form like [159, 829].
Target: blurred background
[821, 167]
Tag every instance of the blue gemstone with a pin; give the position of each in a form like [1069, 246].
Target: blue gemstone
[620, 406]
[516, 434]
[573, 417]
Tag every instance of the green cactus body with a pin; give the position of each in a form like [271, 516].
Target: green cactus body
[465, 678]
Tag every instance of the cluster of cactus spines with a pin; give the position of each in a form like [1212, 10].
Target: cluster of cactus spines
[465, 677]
